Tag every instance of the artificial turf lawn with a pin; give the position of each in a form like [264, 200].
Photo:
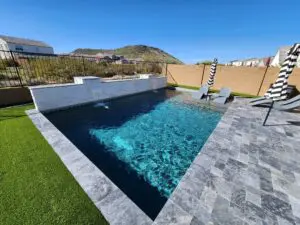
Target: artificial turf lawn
[35, 186]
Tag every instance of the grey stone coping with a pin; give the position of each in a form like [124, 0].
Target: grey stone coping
[186, 90]
[244, 174]
[134, 78]
[52, 86]
[114, 205]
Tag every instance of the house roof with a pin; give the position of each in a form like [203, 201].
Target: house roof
[282, 53]
[251, 59]
[23, 41]
[285, 48]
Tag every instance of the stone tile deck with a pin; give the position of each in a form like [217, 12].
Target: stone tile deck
[244, 174]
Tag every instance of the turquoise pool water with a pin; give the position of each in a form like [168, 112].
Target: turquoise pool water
[144, 143]
[161, 144]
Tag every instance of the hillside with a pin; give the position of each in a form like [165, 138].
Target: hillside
[144, 52]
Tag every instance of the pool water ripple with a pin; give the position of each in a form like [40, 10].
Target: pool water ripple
[161, 144]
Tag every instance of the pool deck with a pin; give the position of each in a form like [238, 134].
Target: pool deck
[244, 174]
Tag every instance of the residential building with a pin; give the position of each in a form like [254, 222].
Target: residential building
[117, 57]
[266, 61]
[281, 55]
[236, 63]
[122, 61]
[8, 43]
[135, 60]
[101, 55]
[252, 62]
[91, 58]
[121, 57]
[107, 57]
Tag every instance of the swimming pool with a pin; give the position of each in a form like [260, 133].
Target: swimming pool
[144, 143]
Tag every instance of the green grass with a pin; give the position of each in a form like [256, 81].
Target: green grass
[35, 186]
[214, 90]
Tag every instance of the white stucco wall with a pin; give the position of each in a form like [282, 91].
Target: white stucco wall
[90, 89]
[237, 63]
[276, 61]
[4, 47]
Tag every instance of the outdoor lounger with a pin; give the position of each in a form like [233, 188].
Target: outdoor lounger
[288, 106]
[260, 101]
[257, 99]
[203, 91]
[222, 96]
[265, 101]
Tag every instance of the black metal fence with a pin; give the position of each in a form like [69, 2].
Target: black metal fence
[28, 69]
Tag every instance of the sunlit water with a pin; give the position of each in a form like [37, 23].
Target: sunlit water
[161, 144]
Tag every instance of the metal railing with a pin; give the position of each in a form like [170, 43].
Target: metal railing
[28, 69]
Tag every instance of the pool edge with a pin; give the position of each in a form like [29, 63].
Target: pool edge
[106, 196]
[202, 164]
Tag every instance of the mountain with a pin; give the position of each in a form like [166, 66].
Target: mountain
[144, 52]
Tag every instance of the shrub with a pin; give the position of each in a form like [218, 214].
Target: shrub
[10, 63]
[4, 63]
[206, 62]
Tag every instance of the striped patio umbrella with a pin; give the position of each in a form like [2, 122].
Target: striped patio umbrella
[212, 73]
[278, 91]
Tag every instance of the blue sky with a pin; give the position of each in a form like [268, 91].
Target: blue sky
[191, 30]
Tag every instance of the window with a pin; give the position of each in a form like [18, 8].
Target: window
[19, 48]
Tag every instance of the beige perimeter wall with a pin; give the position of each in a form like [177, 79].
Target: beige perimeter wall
[240, 79]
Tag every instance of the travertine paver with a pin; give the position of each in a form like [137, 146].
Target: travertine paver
[244, 174]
